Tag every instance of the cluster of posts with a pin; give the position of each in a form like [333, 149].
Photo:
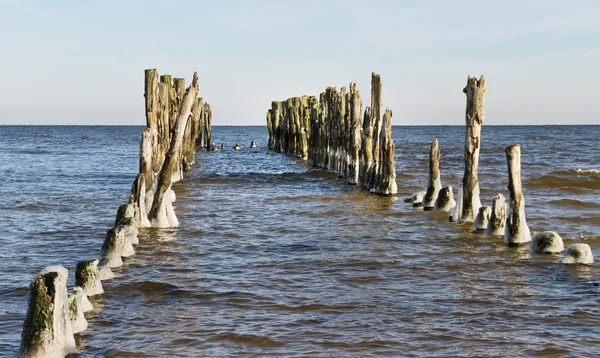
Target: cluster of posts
[333, 133]
[178, 123]
[495, 220]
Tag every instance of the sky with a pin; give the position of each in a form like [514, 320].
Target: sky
[82, 62]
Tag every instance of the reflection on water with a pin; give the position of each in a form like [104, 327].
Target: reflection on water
[274, 258]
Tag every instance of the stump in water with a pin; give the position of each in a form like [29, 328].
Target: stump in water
[115, 247]
[475, 115]
[417, 199]
[435, 183]
[87, 277]
[162, 214]
[47, 330]
[516, 231]
[445, 200]
[483, 218]
[78, 321]
[579, 254]
[86, 305]
[547, 242]
[457, 210]
[498, 217]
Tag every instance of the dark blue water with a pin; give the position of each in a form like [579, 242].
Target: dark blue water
[274, 258]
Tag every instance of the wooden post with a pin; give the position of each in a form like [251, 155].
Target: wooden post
[47, 327]
[207, 125]
[547, 242]
[162, 214]
[366, 148]
[200, 140]
[356, 127]
[173, 105]
[376, 120]
[386, 171]
[498, 217]
[87, 277]
[75, 304]
[483, 218]
[516, 231]
[474, 117]
[435, 183]
[445, 200]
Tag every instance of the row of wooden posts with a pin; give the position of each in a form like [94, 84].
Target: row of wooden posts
[495, 220]
[333, 133]
[177, 124]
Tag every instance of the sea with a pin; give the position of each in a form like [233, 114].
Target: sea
[274, 258]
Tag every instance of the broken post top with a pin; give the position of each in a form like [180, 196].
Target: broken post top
[475, 91]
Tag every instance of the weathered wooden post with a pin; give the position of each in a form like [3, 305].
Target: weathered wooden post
[47, 330]
[445, 200]
[498, 217]
[162, 214]
[75, 304]
[483, 218]
[87, 277]
[435, 183]
[356, 128]
[386, 171]
[207, 126]
[376, 118]
[366, 148]
[516, 231]
[172, 100]
[475, 116]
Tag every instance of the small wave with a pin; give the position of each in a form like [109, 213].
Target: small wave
[588, 171]
[575, 203]
[247, 339]
[568, 178]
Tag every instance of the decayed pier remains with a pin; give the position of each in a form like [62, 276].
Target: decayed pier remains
[177, 124]
[496, 220]
[333, 133]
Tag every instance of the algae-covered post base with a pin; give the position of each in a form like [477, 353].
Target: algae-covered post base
[474, 118]
[516, 231]
[47, 330]
[87, 276]
[434, 184]
[547, 242]
[579, 254]
[78, 321]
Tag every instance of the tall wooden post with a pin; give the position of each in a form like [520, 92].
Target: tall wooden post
[516, 231]
[474, 118]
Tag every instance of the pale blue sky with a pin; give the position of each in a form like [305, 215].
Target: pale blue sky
[82, 62]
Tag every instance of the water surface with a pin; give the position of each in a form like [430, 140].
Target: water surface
[274, 258]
